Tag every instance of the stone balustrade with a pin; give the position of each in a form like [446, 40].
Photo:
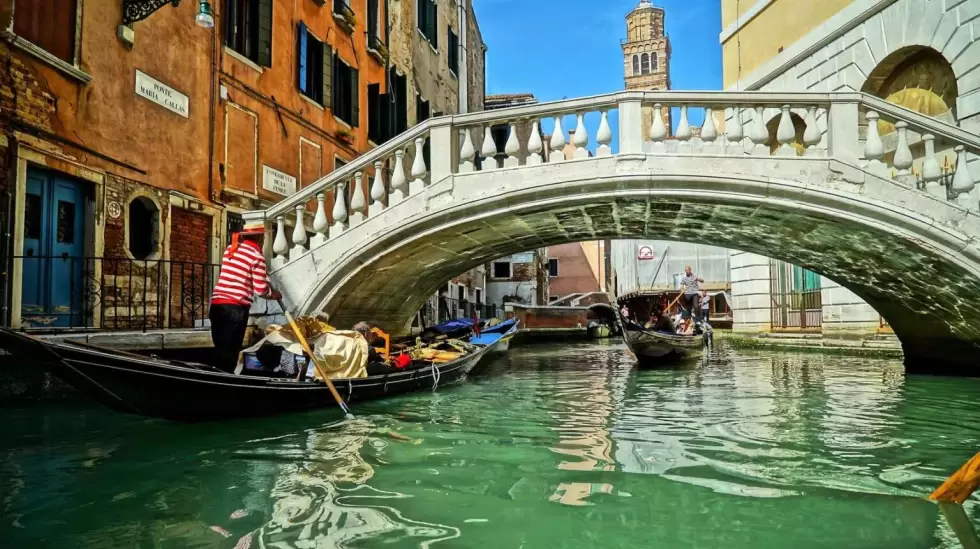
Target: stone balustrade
[840, 126]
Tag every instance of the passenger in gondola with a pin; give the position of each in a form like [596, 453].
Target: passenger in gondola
[664, 323]
[686, 327]
[243, 275]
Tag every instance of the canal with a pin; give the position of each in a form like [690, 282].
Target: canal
[554, 447]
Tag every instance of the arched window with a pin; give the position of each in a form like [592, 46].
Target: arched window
[645, 64]
[636, 65]
[143, 228]
[916, 78]
[653, 61]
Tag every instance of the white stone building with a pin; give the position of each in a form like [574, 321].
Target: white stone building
[921, 54]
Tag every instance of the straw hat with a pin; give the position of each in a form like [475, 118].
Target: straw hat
[253, 229]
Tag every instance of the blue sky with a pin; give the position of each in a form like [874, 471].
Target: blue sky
[571, 48]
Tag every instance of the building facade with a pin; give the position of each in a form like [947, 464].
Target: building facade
[577, 268]
[520, 278]
[922, 56]
[131, 138]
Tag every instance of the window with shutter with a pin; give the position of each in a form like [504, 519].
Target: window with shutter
[309, 58]
[429, 21]
[49, 25]
[373, 23]
[345, 92]
[452, 45]
[326, 62]
[248, 29]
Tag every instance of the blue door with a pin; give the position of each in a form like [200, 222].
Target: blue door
[54, 248]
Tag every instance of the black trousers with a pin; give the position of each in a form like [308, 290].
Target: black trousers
[691, 303]
[228, 324]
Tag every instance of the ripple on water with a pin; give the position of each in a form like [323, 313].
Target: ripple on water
[557, 446]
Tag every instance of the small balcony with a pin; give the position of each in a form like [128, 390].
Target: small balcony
[377, 48]
[344, 15]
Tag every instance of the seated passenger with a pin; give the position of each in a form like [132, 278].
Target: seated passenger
[664, 324]
[686, 328]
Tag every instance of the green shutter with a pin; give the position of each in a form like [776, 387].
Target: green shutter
[354, 99]
[434, 24]
[327, 75]
[265, 33]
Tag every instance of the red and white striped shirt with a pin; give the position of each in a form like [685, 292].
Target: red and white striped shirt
[243, 273]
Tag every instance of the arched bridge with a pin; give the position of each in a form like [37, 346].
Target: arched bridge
[802, 177]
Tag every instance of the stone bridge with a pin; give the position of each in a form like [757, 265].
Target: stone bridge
[802, 177]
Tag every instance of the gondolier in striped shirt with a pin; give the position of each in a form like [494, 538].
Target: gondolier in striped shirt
[692, 287]
[243, 274]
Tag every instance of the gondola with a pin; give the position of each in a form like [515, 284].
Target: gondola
[183, 391]
[498, 336]
[652, 348]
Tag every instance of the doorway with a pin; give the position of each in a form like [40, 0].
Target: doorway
[54, 252]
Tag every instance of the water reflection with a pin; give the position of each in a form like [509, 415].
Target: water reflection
[563, 446]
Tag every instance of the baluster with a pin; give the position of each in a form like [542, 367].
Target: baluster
[299, 234]
[534, 146]
[931, 172]
[581, 138]
[320, 223]
[684, 133]
[399, 184]
[488, 151]
[378, 190]
[758, 134]
[658, 131]
[418, 169]
[785, 133]
[357, 202]
[604, 136]
[874, 149]
[734, 133]
[512, 148]
[280, 246]
[557, 142]
[902, 160]
[340, 216]
[811, 135]
[709, 133]
[467, 153]
[963, 182]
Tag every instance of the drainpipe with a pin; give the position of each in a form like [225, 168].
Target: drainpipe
[464, 82]
[6, 244]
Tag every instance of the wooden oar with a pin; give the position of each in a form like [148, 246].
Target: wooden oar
[960, 484]
[316, 363]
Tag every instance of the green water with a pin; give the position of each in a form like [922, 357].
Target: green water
[554, 447]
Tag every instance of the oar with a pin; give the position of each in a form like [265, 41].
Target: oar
[316, 363]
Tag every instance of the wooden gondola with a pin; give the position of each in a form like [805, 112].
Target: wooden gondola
[652, 348]
[185, 391]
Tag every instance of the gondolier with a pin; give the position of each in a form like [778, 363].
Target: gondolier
[243, 275]
[692, 287]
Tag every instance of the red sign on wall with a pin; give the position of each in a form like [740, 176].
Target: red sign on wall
[645, 253]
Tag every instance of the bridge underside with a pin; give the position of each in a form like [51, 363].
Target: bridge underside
[932, 303]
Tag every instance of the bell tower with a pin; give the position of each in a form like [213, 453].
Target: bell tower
[646, 55]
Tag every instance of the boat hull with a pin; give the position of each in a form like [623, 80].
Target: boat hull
[654, 348]
[169, 390]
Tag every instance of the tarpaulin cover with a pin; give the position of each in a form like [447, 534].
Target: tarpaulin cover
[452, 326]
[501, 327]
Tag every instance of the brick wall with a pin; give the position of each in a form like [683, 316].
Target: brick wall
[191, 279]
[22, 96]
[552, 317]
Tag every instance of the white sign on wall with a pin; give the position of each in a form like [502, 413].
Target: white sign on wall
[162, 94]
[278, 182]
[645, 253]
[524, 257]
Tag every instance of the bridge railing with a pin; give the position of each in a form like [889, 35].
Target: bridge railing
[884, 139]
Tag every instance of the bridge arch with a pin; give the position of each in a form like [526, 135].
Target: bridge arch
[918, 279]
[906, 239]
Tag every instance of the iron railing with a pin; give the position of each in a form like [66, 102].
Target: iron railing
[64, 292]
[797, 310]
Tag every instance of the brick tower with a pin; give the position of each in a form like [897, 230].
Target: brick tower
[646, 55]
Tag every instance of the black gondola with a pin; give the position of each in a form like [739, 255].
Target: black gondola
[184, 391]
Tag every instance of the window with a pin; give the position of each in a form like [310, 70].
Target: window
[314, 60]
[653, 61]
[374, 26]
[143, 221]
[461, 293]
[235, 224]
[501, 269]
[379, 114]
[636, 65]
[479, 295]
[453, 46]
[345, 92]
[399, 85]
[552, 267]
[248, 29]
[49, 25]
[645, 64]
[428, 21]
